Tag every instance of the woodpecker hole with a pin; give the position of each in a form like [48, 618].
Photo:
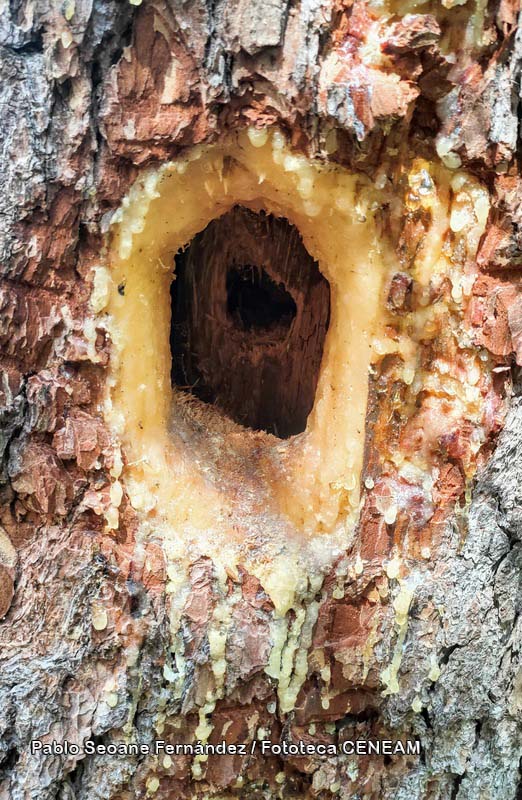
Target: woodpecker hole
[250, 312]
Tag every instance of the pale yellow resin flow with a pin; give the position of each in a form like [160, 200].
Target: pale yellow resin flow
[284, 509]
[279, 495]
[286, 490]
[312, 480]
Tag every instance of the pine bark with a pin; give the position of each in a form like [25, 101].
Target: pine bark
[91, 91]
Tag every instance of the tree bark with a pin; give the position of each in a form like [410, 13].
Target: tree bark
[93, 93]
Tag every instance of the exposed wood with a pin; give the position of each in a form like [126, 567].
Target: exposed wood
[259, 365]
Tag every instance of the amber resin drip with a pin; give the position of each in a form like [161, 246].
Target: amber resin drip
[250, 312]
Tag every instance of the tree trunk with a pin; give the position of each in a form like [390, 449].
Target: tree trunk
[211, 562]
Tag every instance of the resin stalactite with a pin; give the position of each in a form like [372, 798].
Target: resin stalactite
[260, 419]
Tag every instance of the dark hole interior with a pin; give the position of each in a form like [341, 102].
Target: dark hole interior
[250, 311]
[254, 300]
